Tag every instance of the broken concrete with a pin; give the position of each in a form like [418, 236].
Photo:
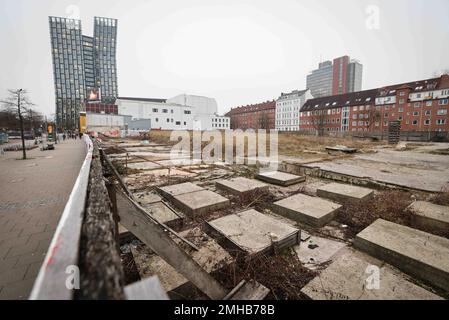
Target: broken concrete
[306, 209]
[148, 165]
[351, 276]
[280, 178]
[146, 289]
[177, 189]
[240, 186]
[254, 233]
[200, 202]
[409, 169]
[344, 192]
[210, 257]
[420, 254]
[430, 216]
[315, 251]
[164, 214]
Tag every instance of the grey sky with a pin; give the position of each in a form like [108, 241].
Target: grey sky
[238, 52]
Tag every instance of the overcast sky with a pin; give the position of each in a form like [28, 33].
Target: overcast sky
[238, 52]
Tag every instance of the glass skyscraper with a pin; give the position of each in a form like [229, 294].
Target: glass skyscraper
[84, 68]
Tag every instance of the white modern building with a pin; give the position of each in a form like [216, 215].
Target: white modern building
[183, 112]
[164, 116]
[205, 112]
[288, 106]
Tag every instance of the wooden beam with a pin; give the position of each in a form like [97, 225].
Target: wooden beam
[136, 220]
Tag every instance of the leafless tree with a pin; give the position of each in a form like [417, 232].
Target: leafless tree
[319, 118]
[17, 103]
[264, 121]
[371, 117]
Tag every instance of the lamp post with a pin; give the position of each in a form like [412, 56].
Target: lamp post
[21, 124]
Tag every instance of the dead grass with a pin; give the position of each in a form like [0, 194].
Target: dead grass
[283, 274]
[442, 198]
[387, 205]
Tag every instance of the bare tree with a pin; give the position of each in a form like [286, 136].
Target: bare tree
[264, 121]
[319, 118]
[17, 102]
[371, 117]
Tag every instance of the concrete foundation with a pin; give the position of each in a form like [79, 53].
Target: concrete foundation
[315, 251]
[200, 202]
[417, 253]
[177, 189]
[280, 178]
[240, 186]
[253, 232]
[210, 257]
[430, 216]
[164, 214]
[344, 192]
[306, 209]
[352, 276]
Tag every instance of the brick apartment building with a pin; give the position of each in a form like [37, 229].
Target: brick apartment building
[420, 106]
[254, 116]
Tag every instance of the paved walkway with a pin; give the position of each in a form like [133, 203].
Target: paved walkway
[32, 197]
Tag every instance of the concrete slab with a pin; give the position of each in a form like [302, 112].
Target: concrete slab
[316, 250]
[211, 257]
[200, 202]
[146, 289]
[148, 165]
[280, 178]
[344, 192]
[420, 254]
[430, 216]
[306, 209]
[253, 232]
[415, 170]
[145, 197]
[347, 278]
[177, 189]
[240, 185]
[163, 214]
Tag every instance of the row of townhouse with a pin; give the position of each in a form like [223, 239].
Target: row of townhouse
[420, 106]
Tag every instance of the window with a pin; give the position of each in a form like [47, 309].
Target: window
[442, 102]
[178, 123]
[429, 103]
[401, 101]
[417, 104]
[187, 112]
[416, 113]
[428, 112]
[386, 114]
[171, 110]
[168, 120]
[400, 118]
[402, 93]
[442, 112]
[157, 119]
[427, 122]
[441, 121]
[165, 111]
[401, 110]
[354, 123]
[155, 110]
[354, 108]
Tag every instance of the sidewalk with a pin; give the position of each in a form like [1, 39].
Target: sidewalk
[32, 197]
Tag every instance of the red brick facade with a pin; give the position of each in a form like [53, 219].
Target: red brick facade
[255, 116]
[420, 106]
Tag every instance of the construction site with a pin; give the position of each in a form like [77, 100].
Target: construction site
[340, 219]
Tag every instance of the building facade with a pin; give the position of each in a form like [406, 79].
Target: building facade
[84, 68]
[319, 81]
[166, 114]
[288, 106]
[343, 75]
[254, 116]
[419, 106]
